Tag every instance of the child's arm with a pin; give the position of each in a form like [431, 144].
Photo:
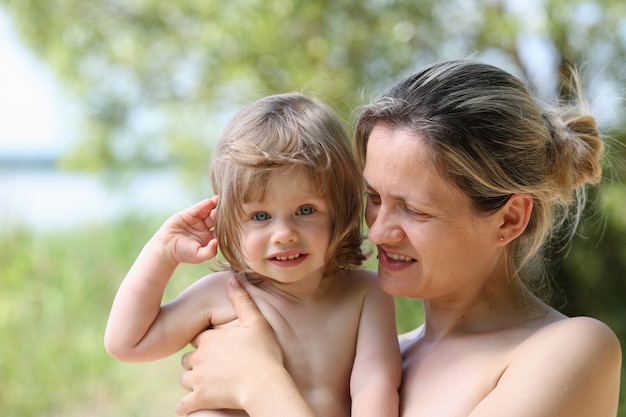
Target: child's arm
[377, 366]
[138, 328]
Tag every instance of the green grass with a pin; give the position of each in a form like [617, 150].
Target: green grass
[55, 293]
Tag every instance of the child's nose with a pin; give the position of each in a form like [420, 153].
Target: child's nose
[284, 232]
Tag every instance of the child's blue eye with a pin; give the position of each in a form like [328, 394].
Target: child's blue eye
[306, 210]
[262, 216]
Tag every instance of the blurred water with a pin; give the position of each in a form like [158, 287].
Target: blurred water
[50, 199]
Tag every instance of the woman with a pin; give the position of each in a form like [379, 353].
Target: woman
[468, 177]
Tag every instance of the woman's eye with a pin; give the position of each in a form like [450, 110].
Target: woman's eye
[373, 198]
[306, 210]
[416, 213]
[261, 216]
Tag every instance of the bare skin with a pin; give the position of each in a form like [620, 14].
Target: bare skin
[337, 333]
[486, 342]
[318, 354]
[488, 348]
[567, 378]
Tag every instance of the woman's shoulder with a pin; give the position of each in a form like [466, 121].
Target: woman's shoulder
[576, 345]
[586, 332]
[573, 364]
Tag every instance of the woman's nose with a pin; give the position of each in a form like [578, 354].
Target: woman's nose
[383, 225]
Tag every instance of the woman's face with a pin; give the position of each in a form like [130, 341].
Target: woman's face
[431, 243]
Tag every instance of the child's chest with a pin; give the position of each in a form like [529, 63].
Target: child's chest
[319, 347]
[318, 337]
[316, 333]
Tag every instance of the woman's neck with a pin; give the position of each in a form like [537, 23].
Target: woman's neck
[492, 309]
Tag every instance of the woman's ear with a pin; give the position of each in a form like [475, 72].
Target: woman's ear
[515, 216]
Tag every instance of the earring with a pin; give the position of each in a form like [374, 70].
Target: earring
[501, 239]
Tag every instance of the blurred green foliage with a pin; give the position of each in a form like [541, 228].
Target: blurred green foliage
[158, 79]
[56, 292]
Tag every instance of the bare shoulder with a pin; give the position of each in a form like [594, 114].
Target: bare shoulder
[572, 365]
[352, 283]
[582, 335]
[364, 277]
[575, 344]
[209, 297]
[362, 287]
[215, 282]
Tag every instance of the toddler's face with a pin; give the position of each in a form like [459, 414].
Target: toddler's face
[285, 236]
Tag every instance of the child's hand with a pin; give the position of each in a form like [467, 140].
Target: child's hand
[188, 236]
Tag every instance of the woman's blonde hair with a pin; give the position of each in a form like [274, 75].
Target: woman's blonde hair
[491, 138]
[275, 135]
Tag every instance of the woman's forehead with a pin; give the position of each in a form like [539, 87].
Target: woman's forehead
[400, 164]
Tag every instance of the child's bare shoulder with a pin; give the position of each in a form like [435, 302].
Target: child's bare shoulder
[214, 282]
[365, 276]
[352, 283]
[210, 295]
[355, 281]
[365, 282]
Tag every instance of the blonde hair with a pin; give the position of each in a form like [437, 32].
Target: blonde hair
[491, 138]
[275, 135]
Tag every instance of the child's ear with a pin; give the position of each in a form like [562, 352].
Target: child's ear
[514, 217]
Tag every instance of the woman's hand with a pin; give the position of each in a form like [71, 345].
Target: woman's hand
[188, 236]
[233, 366]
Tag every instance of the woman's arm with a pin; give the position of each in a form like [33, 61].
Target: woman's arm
[570, 368]
[377, 369]
[247, 361]
[138, 328]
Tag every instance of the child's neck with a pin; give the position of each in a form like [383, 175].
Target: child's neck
[300, 290]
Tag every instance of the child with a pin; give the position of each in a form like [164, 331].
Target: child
[287, 216]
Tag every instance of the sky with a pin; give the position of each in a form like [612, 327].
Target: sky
[35, 114]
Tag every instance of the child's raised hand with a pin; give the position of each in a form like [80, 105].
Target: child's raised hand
[188, 236]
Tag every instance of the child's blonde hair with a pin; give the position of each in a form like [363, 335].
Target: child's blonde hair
[275, 135]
